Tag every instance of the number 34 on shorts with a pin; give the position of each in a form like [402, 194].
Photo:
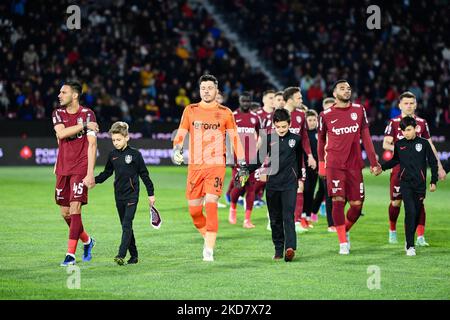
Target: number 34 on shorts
[205, 181]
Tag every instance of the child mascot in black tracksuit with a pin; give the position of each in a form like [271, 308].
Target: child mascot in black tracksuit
[127, 164]
[413, 153]
[281, 170]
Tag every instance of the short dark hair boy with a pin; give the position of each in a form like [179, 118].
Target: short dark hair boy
[413, 153]
[285, 153]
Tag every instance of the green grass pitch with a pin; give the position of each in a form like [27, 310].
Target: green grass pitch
[33, 239]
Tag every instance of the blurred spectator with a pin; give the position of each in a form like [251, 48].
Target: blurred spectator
[146, 76]
[395, 111]
[315, 95]
[152, 109]
[182, 100]
[30, 56]
[147, 126]
[26, 111]
[4, 105]
[415, 88]
[447, 115]
[392, 95]
[37, 104]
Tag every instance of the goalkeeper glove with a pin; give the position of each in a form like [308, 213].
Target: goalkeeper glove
[177, 155]
[242, 175]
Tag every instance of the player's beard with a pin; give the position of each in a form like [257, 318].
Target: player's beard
[342, 98]
[245, 108]
[211, 98]
[66, 103]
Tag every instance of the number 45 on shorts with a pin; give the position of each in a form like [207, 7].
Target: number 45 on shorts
[78, 188]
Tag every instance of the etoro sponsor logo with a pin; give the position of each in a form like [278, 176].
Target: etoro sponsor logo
[245, 130]
[205, 125]
[344, 130]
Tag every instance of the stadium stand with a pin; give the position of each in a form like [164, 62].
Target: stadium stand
[314, 43]
[138, 60]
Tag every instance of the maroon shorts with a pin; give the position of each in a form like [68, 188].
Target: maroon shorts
[395, 184]
[345, 183]
[69, 189]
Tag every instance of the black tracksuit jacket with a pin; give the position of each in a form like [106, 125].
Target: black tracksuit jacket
[128, 165]
[284, 168]
[413, 156]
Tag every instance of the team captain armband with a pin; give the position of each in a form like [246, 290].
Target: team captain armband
[89, 118]
[91, 133]
[88, 131]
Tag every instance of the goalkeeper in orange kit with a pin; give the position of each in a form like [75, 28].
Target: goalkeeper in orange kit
[207, 122]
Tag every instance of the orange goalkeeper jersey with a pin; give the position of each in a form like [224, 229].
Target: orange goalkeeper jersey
[208, 124]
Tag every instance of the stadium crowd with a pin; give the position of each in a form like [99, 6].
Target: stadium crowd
[137, 59]
[314, 43]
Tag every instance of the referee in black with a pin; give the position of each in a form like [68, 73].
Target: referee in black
[413, 153]
[282, 174]
[128, 165]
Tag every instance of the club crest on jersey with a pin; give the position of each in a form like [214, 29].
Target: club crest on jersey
[291, 143]
[253, 121]
[128, 159]
[299, 119]
[418, 129]
[419, 147]
[354, 116]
